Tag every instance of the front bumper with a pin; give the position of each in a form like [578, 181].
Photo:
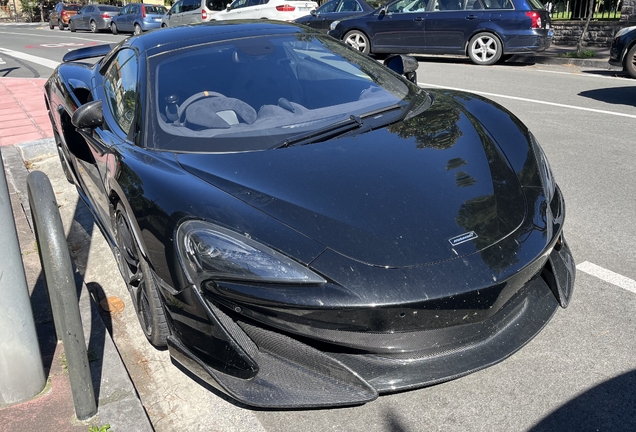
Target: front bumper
[279, 355]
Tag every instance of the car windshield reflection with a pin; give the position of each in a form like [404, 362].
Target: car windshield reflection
[253, 93]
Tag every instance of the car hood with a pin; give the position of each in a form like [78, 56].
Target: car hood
[431, 188]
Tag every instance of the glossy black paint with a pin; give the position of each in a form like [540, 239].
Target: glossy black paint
[372, 213]
[622, 51]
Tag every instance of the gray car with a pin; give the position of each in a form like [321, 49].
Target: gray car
[137, 18]
[93, 17]
[192, 11]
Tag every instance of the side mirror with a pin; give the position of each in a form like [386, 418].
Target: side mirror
[89, 115]
[403, 65]
[313, 12]
[382, 11]
[229, 6]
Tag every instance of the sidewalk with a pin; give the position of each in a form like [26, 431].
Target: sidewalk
[26, 137]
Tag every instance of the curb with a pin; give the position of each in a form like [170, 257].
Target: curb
[587, 63]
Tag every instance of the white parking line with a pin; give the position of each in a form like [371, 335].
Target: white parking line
[30, 58]
[531, 100]
[608, 276]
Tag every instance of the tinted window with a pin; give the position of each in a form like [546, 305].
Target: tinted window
[253, 93]
[176, 8]
[328, 7]
[190, 5]
[239, 4]
[349, 6]
[72, 7]
[498, 4]
[449, 5]
[108, 8]
[408, 6]
[120, 86]
[216, 5]
[474, 4]
[88, 9]
[151, 9]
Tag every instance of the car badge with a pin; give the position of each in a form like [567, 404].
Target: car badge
[462, 238]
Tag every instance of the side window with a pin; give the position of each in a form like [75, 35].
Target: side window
[176, 8]
[448, 5]
[328, 7]
[89, 9]
[190, 5]
[473, 5]
[253, 2]
[239, 4]
[120, 86]
[416, 6]
[216, 5]
[349, 6]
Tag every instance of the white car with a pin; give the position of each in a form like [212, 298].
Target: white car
[282, 10]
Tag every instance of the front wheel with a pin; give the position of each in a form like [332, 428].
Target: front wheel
[51, 25]
[113, 28]
[60, 24]
[94, 27]
[358, 41]
[630, 62]
[138, 30]
[140, 282]
[71, 27]
[484, 49]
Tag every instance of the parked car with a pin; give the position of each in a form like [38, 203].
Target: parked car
[484, 30]
[191, 12]
[61, 15]
[93, 17]
[623, 50]
[302, 226]
[137, 18]
[333, 10]
[282, 10]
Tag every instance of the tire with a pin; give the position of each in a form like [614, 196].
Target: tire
[71, 27]
[630, 62]
[358, 41]
[484, 49]
[51, 26]
[138, 29]
[164, 25]
[140, 282]
[60, 24]
[113, 28]
[93, 27]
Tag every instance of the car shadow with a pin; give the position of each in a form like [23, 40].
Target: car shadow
[610, 406]
[613, 95]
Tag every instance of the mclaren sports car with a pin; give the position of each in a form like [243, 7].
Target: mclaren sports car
[303, 226]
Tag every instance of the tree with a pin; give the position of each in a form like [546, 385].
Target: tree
[590, 11]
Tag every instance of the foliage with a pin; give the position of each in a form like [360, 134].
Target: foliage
[104, 428]
[582, 54]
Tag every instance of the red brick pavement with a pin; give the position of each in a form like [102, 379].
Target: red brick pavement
[23, 114]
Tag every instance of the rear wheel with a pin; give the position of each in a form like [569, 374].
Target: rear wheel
[140, 282]
[51, 25]
[71, 27]
[113, 28]
[630, 62]
[358, 40]
[138, 30]
[94, 27]
[484, 49]
[60, 24]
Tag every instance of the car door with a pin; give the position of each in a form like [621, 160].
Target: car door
[191, 12]
[119, 93]
[318, 18]
[344, 9]
[400, 27]
[175, 14]
[451, 24]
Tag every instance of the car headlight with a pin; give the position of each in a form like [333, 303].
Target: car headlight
[547, 179]
[624, 30]
[208, 251]
[333, 25]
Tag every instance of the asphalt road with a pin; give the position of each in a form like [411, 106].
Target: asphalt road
[578, 374]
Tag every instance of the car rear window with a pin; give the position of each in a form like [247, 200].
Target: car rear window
[72, 7]
[108, 8]
[155, 9]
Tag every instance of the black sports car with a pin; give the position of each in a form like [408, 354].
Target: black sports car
[302, 226]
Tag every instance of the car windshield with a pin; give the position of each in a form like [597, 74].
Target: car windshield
[255, 93]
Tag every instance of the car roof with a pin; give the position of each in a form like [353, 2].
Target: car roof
[170, 38]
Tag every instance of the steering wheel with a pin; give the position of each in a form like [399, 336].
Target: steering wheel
[195, 97]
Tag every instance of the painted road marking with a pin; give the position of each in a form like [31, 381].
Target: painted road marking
[58, 35]
[531, 100]
[608, 276]
[2, 61]
[31, 58]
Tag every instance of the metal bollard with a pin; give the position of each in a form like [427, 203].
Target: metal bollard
[21, 370]
[58, 272]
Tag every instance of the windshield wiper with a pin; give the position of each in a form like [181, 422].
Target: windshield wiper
[324, 133]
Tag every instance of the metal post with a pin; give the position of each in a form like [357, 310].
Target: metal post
[21, 370]
[58, 272]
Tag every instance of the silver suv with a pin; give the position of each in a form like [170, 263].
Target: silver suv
[191, 12]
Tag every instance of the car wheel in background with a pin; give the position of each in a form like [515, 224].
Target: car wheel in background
[484, 49]
[630, 62]
[140, 282]
[138, 29]
[164, 25]
[94, 27]
[51, 26]
[358, 40]
[71, 26]
[113, 28]
[60, 24]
